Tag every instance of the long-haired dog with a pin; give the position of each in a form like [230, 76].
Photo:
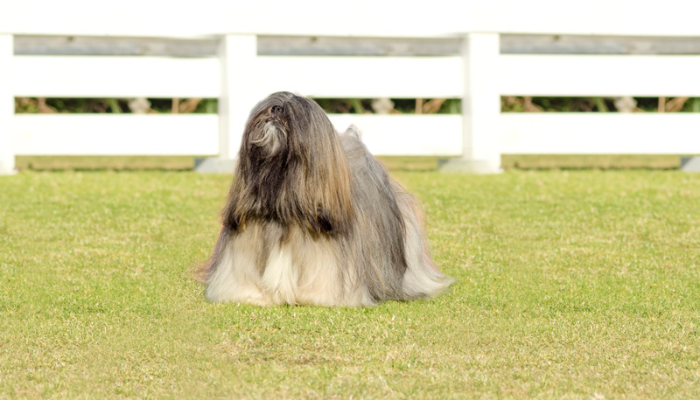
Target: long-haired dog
[313, 218]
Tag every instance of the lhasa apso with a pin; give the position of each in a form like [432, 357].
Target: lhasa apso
[312, 218]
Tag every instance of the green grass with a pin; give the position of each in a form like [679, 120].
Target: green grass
[569, 283]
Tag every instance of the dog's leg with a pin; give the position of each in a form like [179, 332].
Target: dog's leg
[233, 272]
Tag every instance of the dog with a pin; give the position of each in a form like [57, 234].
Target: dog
[312, 218]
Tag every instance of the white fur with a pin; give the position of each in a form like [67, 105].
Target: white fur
[231, 283]
[271, 139]
[280, 277]
[300, 271]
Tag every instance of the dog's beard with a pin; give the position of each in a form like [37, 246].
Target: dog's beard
[313, 218]
[271, 138]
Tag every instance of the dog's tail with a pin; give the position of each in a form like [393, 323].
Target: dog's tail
[353, 131]
[423, 278]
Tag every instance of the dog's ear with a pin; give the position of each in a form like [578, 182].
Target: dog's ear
[228, 215]
[333, 210]
[321, 223]
[318, 172]
[239, 203]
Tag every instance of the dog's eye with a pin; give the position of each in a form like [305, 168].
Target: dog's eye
[276, 109]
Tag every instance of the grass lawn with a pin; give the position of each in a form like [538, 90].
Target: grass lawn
[570, 284]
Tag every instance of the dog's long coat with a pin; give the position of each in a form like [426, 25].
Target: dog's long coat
[313, 218]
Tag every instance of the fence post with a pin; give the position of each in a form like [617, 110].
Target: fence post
[481, 106]
[7, 106]
[237, 55]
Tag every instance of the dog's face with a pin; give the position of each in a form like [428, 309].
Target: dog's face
[270, 132]
[288, 127]
[291, 167]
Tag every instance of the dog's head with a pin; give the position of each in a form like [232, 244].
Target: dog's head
[292, 167]
[288, 126]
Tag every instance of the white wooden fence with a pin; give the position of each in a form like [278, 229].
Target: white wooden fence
[239, 77]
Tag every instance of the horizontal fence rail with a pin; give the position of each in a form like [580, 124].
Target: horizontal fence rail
[599, 133]
[345, 77]
[111, 76]
[116, 134]
[193, 134]
[415, 135]
[143, 76]
[599, 75]
[363, 77]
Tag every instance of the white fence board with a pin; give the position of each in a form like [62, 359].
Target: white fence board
[424, 135]
[353, 77]
[134, 76]
[125, 134]
[115, 134]
[110, 76]
[361, 77]
[362, 18]
[599, 75]
[237, 55]
[600, 133]
[394, 135]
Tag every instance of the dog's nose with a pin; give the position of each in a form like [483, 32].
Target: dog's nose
[277, 109]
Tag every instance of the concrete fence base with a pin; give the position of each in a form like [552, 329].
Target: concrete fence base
[456, 165]
[690, 164]
[214, 165]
